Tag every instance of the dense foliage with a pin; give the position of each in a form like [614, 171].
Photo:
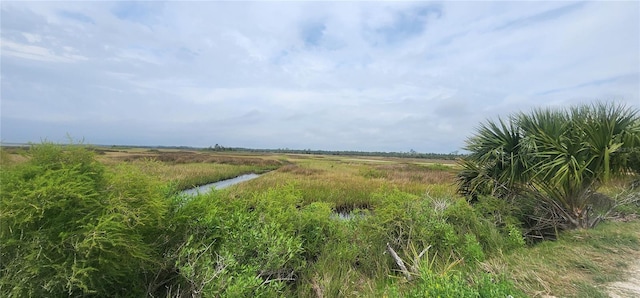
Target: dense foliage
[71, 227]
[555, 159]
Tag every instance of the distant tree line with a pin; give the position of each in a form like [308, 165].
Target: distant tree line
[411, 154]
[219, 148]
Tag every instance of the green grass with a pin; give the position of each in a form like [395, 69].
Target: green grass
[579, 264]
[189, 175]
[350, 182]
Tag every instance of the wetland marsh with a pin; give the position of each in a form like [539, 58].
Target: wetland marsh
[313, 226]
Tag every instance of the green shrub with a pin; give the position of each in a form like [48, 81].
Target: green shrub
[472, 249]
[491, 220]
[69, 227]
[316, 228]
[241, 248]
[441, 235]
[500, 212]
[453, 284]
[462, 216]
[450, 227]
[515, 238]
[442, 277]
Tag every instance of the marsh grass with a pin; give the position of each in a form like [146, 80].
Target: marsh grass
[350, 183]
[185, 176]
[187, 169]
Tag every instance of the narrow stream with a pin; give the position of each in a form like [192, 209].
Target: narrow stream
[219, 185]
[350, 215]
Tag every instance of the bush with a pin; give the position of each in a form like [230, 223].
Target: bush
[316, 228]
[246, 248]
[449, 227]
[558, 158]
[499, 211]
[453, 284]
[69, 227]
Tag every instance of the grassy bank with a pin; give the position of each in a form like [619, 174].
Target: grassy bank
[579, 264]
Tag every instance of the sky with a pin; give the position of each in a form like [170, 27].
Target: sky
[364, 76]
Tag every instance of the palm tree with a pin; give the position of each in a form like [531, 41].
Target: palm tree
[557, 157]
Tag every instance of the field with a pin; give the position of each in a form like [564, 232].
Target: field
[344, 226]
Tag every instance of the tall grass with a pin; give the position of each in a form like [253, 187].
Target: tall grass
[184, 176]
[187, 169]
[351, 184]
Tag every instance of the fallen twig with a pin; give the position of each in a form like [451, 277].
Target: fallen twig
[399, 261]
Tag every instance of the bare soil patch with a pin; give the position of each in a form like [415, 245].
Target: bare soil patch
[629, 288]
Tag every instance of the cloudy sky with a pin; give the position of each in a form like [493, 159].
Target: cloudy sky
[371, 76]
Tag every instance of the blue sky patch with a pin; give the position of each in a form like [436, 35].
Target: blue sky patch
[76, 16]
[409, 23]
[312, 33]
[137, 11]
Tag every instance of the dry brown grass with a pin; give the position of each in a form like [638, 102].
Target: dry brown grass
[8, 157]
[411, 173]
[184, 157]
[298, 170]
[351, 183]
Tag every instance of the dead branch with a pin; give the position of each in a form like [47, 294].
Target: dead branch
[399, 261]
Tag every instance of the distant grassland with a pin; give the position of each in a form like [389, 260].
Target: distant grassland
[341, 180]
[187, 169]
[349, 183]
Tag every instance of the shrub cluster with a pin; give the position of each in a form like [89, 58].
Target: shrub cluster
[71, 227]
[440, 241]
[244, 248]
[451, 227]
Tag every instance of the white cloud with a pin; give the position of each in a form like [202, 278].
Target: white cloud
[328, 75]
[31, 52]
[32, 38]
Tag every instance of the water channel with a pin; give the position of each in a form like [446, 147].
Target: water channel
[343, 215]
[219, 185]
